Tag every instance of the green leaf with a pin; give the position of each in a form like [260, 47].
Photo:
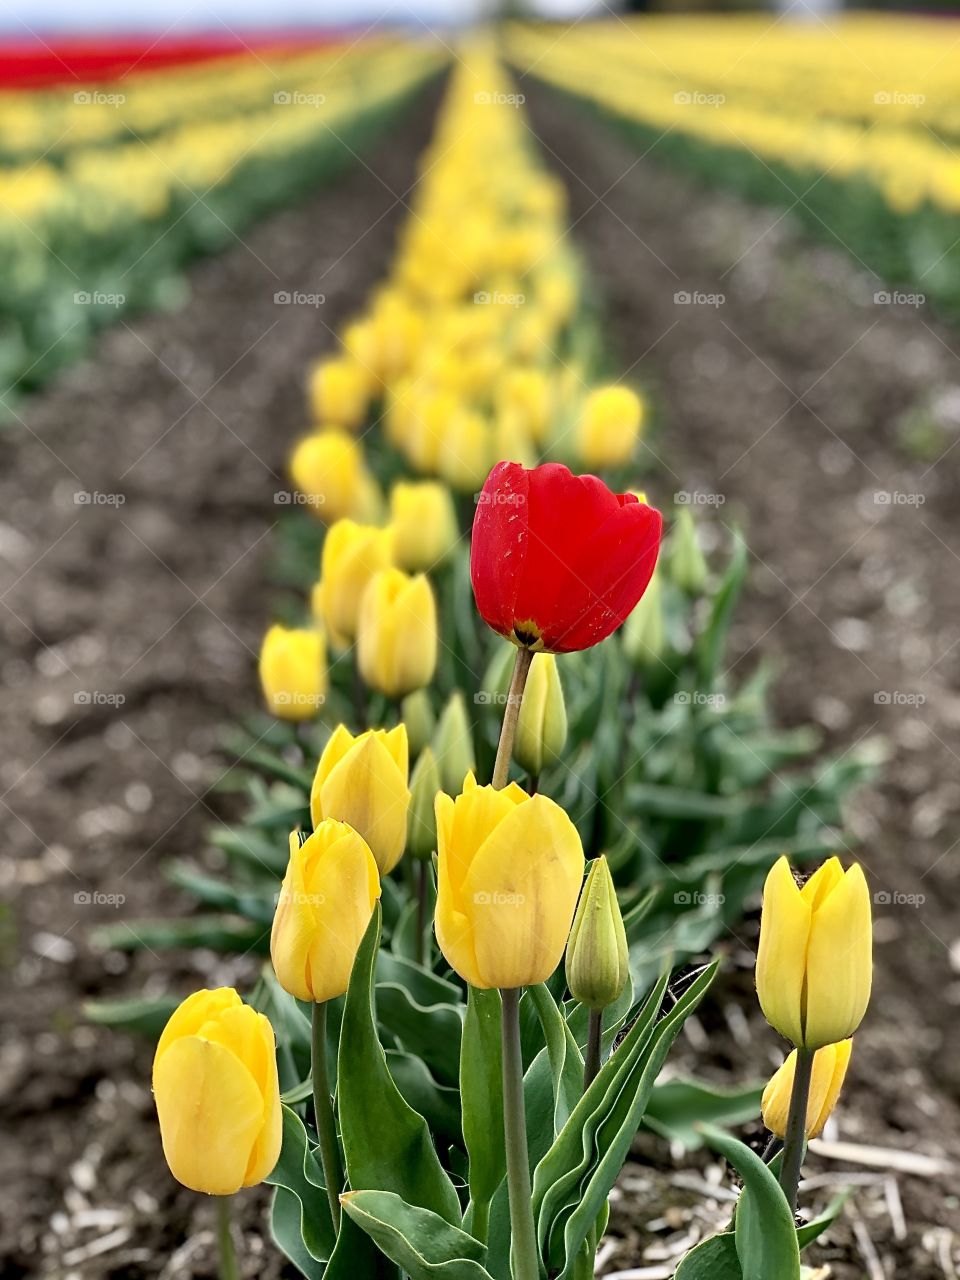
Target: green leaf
[144, 1016]
[714, 1259]
[217, 933]
[566, 1061]
[422, 1244]
[675, 1108]
[387, 1144]
[285, 1227]
[709, 646]
[432, 1032]
[481, 1094]
[221, 895]
[766, 1236]
[298, 1172]
[439, 1104]
[811, 1230]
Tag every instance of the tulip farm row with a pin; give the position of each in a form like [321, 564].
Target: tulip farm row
[106, 191]
[505, 802]
[853, 128]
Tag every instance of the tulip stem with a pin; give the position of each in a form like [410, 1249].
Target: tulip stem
[511, 713]
[591, 1064]
[228, 1254]
[422, 887]
[794, 1141]
[323, 1111]
[525, 1265]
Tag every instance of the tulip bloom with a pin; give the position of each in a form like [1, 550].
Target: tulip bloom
[557, 560]
[542, 723]
[363, 781]
[609, 427]
[829, 1068]
[510, 870]
[814, 965]
[328, 469]
[397, 633]
[217, 1093]
[339, 391]
[293, 672]
[352, 554]
[424, 524]
[323, 910]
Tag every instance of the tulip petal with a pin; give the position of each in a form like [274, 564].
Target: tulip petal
[198, 1009]
[834, 1070]
[839, 962]
[338, 744]
[781, 958]
[498, 547]
[366, 789]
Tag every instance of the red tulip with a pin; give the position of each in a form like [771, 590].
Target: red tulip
[558, 561]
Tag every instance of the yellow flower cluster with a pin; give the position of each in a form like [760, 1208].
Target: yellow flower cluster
[865, 96]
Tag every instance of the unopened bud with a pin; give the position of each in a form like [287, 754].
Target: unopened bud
[453, 745]
[542, 725]
[598, 961]
[422, 822]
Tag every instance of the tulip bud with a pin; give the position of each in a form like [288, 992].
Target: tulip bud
[609, 426]
[598, 962]
[424, 524]
[339, 391]
[424, 788]
[352, 554]
[542, 723]
[509, 870]
[525, 393]
[328, 469]
[453, 745]
[644, 632]
[363, 781]
[323, 910]
[293, 672]
[466, 451]
[397, 633]
[814, 964]
[416, 713]
[688, 567]
[829, 1069]
[217, 1093]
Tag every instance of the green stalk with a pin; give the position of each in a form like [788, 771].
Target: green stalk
[525, 1264]
[229, 1270]
[591, 1063]
[323, 1111]
[511, 713]
[794, 1142]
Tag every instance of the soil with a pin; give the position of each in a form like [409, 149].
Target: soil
[824, 423]
[137, 500]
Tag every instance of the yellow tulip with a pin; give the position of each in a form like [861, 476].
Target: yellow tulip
[829, 1069]
[352, 554]
[510, 869]
[293, 672]
[397, 633]
[598, 961]
[217, 1093]
[466, 451]
[323, 910]
[814, 965]
[542, 723]
[339, 392]
[609, 426]
[424, 524]
[363, 781]
[328, 469]
[526, 392]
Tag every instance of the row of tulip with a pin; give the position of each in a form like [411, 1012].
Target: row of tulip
[103, 224]
[457, 1001]
[851, 124]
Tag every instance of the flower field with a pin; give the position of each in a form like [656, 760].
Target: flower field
[487, 652]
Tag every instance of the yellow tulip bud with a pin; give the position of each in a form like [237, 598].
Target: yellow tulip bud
[598, 962]
[687, 564]
[323, 910]
[217, 1093]
[339, 391]
[424, 788]
[328, 469]
[453, 744]
[424, 524]
[814, 965]
[416, 712]
[609, 426]
[466, 451]
[510, 868]
[363, 781]
[293, 672]
[397, 633]
[526, 392]
[644, 632]
[542, 723]
[829, 1069]
[352, 554]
